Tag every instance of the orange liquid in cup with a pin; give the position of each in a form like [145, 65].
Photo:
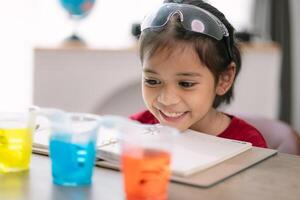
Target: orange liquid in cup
[147, 176]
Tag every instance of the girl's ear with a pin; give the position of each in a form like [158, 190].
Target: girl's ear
[226, 79]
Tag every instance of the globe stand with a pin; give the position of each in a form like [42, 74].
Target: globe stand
[77, 10]
[74, 40]
[75, 37]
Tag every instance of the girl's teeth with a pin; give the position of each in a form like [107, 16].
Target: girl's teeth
[173, 114]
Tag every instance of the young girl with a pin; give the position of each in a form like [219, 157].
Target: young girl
[190, 62]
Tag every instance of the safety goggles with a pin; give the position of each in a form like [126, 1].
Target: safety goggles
[192, 18]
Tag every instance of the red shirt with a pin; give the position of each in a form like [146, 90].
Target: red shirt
[238, 129]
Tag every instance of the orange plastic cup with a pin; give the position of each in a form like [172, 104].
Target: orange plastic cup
[146, 160]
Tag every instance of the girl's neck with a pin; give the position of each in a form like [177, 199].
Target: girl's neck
[213, 123]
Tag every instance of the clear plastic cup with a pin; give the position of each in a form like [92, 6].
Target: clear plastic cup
[146, 159]
[146, 153]
[15, 141]
[73, 148]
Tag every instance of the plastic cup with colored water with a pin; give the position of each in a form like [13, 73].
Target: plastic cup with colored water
[73, 148]
[15, 141]
[145, 157]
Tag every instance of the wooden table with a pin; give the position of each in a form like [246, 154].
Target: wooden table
[276, 178]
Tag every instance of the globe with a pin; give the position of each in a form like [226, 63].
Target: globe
[77, 9]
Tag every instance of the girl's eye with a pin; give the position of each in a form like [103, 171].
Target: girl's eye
[152, 82]
[186, 84]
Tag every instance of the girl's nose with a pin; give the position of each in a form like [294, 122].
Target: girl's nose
[168, 96]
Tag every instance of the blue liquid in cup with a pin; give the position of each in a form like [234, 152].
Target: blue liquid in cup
[72, 164]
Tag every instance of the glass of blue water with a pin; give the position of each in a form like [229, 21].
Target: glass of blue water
[73, 149]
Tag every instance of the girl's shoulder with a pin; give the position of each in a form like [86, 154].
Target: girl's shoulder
[239, 129]
[144, 117]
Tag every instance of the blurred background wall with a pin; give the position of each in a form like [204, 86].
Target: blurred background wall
[295, 5]
[31, 23]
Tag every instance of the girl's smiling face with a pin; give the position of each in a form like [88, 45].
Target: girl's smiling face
[178, 89]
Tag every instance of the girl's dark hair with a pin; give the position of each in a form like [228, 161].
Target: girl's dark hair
[211, 52]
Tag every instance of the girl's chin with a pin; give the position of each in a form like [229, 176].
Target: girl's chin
[180, 128]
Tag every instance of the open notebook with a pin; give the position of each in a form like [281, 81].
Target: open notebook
[192, 152]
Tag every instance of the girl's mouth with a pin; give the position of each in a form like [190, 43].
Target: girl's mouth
[172, 116]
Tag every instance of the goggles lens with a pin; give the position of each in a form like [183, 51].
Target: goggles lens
[192, 19]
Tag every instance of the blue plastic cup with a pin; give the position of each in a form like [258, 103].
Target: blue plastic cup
[73, 149]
